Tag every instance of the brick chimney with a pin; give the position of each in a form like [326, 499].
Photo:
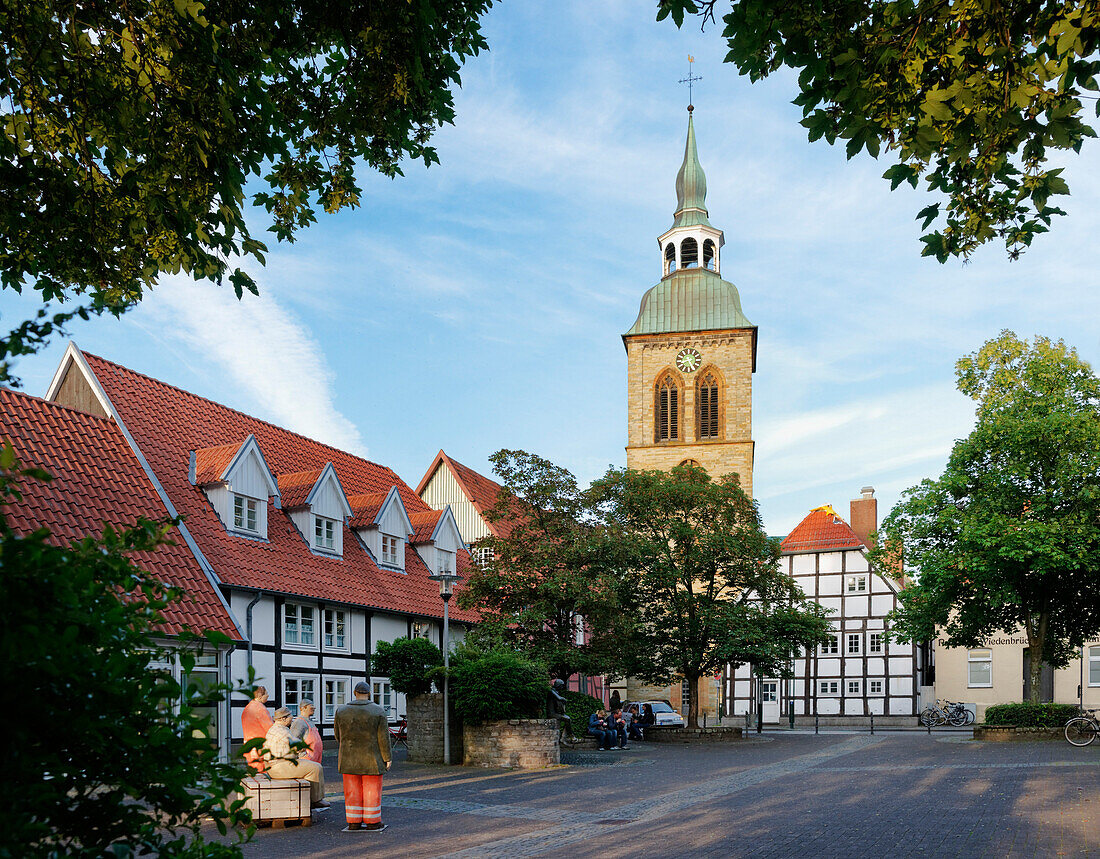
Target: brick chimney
[865, 514]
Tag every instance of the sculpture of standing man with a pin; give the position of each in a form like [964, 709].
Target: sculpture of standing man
[363, 732]
[255, 723]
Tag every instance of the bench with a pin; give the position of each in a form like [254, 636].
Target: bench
[277, 802]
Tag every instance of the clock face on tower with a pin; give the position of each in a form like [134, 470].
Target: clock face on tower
[689, 360]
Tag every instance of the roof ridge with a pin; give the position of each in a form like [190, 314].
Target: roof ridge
[55, 404]
[238, 411]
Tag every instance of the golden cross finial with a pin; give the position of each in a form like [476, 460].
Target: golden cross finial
[689, 80]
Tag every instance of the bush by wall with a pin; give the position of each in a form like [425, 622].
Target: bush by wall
[408, 662]
[580, 706]
[1030, 715]
[498, 685]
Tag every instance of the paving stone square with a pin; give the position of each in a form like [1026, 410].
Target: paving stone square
[783, 794]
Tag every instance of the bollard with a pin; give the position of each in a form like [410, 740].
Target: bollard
[815, 723]
[929, 726]
[704, 720]
[790, 713]
[872, 723]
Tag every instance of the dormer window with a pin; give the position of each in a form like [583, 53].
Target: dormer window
[244, 513]
[446, 562]
[389, 550]
[324, 533]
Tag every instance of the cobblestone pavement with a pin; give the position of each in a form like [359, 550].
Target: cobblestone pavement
[851, 795]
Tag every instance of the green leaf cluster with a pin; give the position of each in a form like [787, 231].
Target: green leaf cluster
[408, 662]
[1028, 715]
[970, 96]
[494, 685]
[579, 706]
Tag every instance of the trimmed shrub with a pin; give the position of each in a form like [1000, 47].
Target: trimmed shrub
[579, 707]
[494, 686]
[408, 662]
[1030, 715]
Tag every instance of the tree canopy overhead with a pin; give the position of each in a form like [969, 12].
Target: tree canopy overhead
[972, 97]
[130, 129]
[1008, 537]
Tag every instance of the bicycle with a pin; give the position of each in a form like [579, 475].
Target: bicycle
[1081, 730]
[945, 712]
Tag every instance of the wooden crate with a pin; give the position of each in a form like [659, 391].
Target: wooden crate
[276, 799]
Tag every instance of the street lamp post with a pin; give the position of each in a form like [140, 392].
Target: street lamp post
[446, 581]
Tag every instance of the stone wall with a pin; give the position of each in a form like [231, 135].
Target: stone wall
[519, 743]
[425, 715]
[1015, 733]
[692, 735]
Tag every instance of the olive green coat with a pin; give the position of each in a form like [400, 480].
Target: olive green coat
[363, 732]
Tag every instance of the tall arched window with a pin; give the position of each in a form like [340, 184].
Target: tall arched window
[689, 253]
[708, 254]
[666, 409]
[670, 258]
[706, 406]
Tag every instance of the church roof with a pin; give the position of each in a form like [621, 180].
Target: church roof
[692, 299]
[691, 186]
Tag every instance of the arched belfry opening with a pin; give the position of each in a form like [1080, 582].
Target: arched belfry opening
[689, 253]
[666, 409]
[670, 258]
[710, 255]
[708, 421]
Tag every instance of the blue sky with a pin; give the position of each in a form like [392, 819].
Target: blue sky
[479, 304]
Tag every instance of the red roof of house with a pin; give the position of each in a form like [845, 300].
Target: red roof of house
[424, 525]
[365, 507]
[167, 423]
[822, 530]
[211, 462]
[481, 490]
[97, 480]
[294, 488]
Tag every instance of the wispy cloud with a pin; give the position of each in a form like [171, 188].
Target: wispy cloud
[264, 352]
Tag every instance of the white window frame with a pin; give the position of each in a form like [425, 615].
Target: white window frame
[324, 706]
[240, 517]
[831, 647]
[828, 687]
[292, 699]
[876, 642]
[390, 558]
[855, 638]
[875, 688]
[340, 618]
[1094, 661]
[856, 584]
[300, 610]
[972, 660]
[326, 542]
[446, 561]
[482, 556]
[385, 693]
[853, 688]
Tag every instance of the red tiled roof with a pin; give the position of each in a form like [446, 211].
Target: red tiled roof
[97, 480]
[167, 423]
[294, 488]
[481, 490]
[211, 462]
[424, 525]
[365, 507]
[820, 531]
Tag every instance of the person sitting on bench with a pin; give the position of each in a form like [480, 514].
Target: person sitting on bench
[598, 728]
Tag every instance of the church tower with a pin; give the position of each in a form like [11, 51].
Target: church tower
[691, 352]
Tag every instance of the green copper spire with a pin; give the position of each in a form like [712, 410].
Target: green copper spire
[691, 186]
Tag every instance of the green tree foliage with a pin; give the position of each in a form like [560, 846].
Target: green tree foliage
[1008, 537]
[408, 662]
[493, 685]
[106, 755]
[705, 577]
[550, 572]
[579, 706]
[131, 129]
[971, 96]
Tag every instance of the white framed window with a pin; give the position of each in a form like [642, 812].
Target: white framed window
[297, 689]
[324, 533]
[876, 643]
[855, 688]
[382, 694]
[855, 642]
[856, 584]
[828, 687]
[446, 562]
[389, 550]
[482, 556]
[874, 687]
[336, 629]
[245, 514]
[979, 668]
[335, 695]
[298, 625]
[831, 646]
[1094, 666]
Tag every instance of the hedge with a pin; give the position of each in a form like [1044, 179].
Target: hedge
[493, 686]
[579, 707]
[1030, 715]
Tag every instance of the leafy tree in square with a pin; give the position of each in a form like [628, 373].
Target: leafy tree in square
[408, 662]
[1008, 537]
[972, 97]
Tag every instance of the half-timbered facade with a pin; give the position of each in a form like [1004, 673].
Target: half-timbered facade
[857, 672]
[318, 553]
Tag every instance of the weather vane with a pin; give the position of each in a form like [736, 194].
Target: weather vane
[689, 80]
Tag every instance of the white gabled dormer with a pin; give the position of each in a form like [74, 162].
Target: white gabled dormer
[317, 505]
[382, 523]
[238, 483]
[437, 540]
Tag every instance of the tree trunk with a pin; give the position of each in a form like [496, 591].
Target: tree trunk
[693, 700]
[1036, 638]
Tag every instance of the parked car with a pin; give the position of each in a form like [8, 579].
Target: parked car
[662, 712]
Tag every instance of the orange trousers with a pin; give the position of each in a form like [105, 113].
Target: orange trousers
[363, 798]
